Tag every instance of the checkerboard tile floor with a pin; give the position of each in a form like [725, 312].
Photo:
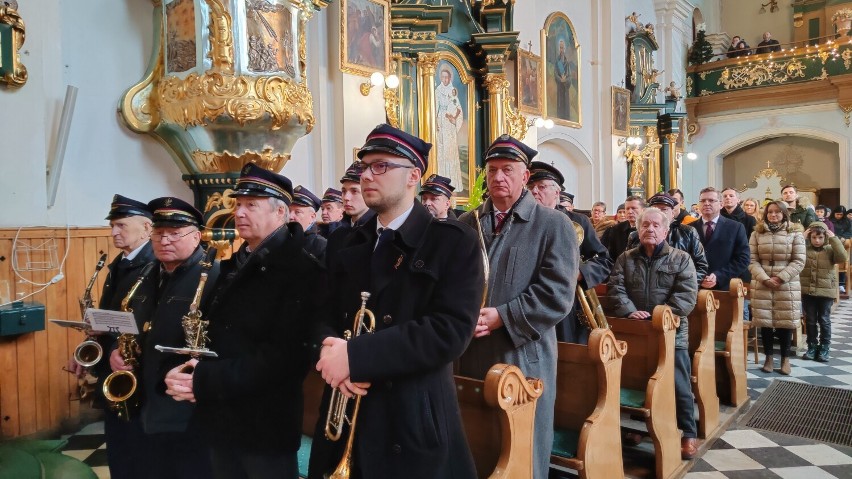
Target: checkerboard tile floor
[739, 453]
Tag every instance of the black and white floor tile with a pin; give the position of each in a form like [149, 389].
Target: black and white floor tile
[739, 453]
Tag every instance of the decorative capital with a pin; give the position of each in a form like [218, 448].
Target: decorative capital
[427, 63]
[496, 83]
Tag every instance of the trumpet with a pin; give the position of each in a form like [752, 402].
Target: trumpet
[89, 352]
[120, 386]
[338, 403]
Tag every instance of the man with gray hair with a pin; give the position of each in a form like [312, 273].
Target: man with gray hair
[650, 275]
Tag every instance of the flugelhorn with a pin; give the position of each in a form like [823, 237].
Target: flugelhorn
[120, 386]
[591, 312]
[338, 403]
[89, 352]
[194, 328]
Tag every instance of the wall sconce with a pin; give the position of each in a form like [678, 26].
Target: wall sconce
[772, 4]
[691, 156]
[540, 122]
[378, 79]
[633, 142]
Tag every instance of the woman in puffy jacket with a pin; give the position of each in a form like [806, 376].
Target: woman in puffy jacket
[777, 257]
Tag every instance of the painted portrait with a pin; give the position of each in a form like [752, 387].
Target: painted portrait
[529, 83]
[364, 36]
[620, 111]
[562, 71]
[452, 126]
[269, 27]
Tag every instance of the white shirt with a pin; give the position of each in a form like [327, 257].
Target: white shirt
[132, 254]
[393, 225]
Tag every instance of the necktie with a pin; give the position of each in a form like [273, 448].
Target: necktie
[709, 233]
[500, 218]
[379, 261]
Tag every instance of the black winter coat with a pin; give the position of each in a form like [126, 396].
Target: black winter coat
[615, 239]
[748, 221]
[315, 243]
[684, 238]
[250, 397]
[426, 295]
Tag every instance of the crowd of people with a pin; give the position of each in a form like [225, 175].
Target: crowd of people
[450, 291]
[740, 48]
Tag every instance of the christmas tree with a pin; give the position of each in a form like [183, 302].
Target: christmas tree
[701, 50]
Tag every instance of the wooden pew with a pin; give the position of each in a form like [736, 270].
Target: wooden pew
[730, 346]
[647, 381]
[587, 416]
[498, 416]
[499, 420]
[702, 324]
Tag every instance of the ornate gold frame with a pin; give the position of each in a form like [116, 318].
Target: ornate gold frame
[550, 19]
[518, 93]
[620, 91]
[12, 72]
[455, 59]
[354, 68]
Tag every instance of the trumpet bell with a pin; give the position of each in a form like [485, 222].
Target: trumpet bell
[88, 353]
[119, 386]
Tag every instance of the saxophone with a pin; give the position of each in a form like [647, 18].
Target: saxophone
[89, 352]
[120, 386]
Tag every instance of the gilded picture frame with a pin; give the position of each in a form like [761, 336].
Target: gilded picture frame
[561, 60]
[454, 112]
[528, 83]
[355, 151]
[365, 37]
[13, 73]
[620, 111]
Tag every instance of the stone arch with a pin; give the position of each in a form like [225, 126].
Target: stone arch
[574, 162]
[697, 19]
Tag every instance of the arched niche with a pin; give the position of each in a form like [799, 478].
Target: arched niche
[574, 162]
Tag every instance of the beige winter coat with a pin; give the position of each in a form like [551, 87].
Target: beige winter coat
[780, 254]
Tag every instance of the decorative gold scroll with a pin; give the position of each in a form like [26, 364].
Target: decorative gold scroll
[15, 72]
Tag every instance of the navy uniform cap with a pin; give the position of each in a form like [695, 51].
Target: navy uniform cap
[565, 196]
[398, 143]
[540, 170]
[303, 197]
[662, 199]
[352, 174]
[123, 206]
[257, 181]
[332, 196]
[438, 185]
[510, 148]
[174, 212]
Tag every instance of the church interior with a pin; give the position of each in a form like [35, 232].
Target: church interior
[624, 97]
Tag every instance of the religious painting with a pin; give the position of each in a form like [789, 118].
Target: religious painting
[364, 36]
[355, 151]
[561, 59]
[181, 53]
[269, 27]
[529, 83]
[454, 126]
[620, 111]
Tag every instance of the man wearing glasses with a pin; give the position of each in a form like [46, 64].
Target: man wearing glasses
[173, 451]
[425, 278]
[249, 399]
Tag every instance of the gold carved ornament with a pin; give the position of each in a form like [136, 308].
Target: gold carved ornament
[392, 106]
[221, 39]
[17, 76]
[197, 99]
[759, 74]
[847, 58]
[215, 162]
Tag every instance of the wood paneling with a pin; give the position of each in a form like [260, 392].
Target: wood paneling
[36, 395]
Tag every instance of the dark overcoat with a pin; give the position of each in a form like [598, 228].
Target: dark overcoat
[260, 312]
[315, 243]
[426, 295]
[727, 251]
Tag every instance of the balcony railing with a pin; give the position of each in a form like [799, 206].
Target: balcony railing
[793, 64]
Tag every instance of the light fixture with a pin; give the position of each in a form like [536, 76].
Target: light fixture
[772, 4]
[632, 141]
[378, 79]
[691, 156]
[540, 122]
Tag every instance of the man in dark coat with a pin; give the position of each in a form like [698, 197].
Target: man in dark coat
[426, 280]
[724, 239]
[732, 210]
[332, 211]
[545, 185]
[173, 451]
[615, 238]
[356, 212]
[130, 223]
[435, 195]
[533, 267]
[798, 213]
[249, 399]
[303, 210]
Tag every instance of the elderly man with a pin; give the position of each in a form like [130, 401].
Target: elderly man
[435, 194]
[684, 238]
[725, 243]
[426, 278]
[249, 399]
[654, 274]
[303, 210]
[174, 451]
[566, 200]
[332, 211]
[615, 239]
[534, 264]
[130, 224]
[732, 210]
[545, 184]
